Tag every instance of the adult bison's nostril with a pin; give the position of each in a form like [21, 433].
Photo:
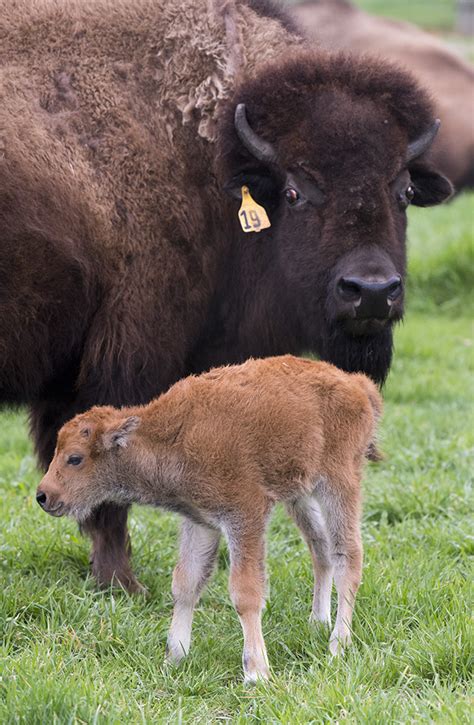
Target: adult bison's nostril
[370, 299]
[394, 287]
[349, 289]
[41, 498]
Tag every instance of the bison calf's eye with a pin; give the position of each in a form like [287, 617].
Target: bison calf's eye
[291, 196]
[74, 460]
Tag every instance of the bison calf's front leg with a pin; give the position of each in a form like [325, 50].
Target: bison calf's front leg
[111, 547]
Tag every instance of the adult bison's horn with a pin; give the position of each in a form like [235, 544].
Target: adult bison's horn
[258, 147]
[423, 142]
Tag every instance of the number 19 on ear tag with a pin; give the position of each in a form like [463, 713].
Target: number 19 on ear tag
[252, 216]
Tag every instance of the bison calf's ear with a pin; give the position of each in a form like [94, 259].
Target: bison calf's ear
[430, 187]
[118, 435]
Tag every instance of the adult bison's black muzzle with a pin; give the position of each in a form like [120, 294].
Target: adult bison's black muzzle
[367, 293]
[367, 299]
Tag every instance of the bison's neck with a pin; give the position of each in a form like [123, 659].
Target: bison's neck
[252, 314]
[52, 299]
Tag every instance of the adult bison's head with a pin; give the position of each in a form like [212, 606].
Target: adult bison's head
[334, 149]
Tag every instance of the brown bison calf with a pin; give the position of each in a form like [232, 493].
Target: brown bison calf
[221, 449]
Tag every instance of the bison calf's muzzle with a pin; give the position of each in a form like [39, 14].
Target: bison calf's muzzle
[41, 498]
[48, 504]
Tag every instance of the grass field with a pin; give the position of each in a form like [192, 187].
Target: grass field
[437, 15]
[71, 654]
[431, 14]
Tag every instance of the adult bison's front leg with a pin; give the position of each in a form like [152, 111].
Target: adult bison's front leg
[111, 547]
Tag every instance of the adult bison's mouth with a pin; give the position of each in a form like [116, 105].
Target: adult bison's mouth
[364, 327]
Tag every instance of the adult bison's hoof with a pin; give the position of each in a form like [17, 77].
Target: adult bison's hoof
[122, 579]
[130, 584]
[127, 582]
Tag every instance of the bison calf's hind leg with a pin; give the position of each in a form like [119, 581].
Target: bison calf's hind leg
[197, 556]
[340, 503]
[111, 547]
[247, 591]
[307, 516]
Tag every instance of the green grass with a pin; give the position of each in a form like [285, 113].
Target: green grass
[430, 14]
[437, 15]
[71, 654]
[441, 257]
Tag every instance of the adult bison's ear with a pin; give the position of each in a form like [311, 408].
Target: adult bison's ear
[254, 164]
[262, 186]
[429, 185]
[117, 436]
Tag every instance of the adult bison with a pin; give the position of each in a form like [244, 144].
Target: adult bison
[125, 130]
[340, 25]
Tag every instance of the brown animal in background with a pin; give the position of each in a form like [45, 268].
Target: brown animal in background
[222, 449]
[340, 25]
[125, 128]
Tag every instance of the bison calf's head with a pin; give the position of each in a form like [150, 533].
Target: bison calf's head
[84, 471]
[335, 150]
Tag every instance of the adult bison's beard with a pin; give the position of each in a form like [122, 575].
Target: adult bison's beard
[370, 354]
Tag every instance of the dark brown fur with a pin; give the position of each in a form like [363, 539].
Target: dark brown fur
[122, 266]
[222, 448]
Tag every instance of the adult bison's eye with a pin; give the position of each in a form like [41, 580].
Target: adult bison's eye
[405, 197]
[292, 196]
[74, 460]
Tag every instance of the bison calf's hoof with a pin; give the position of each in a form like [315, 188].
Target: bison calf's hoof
[175, 653]
[320, 621]
[255, 668]
[254, 677]
[338, 643]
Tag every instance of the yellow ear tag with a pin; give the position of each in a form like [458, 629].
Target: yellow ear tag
[253, 217]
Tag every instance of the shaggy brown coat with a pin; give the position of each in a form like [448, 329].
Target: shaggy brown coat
[110, 212]
[122, 264]
[341, 25]
[222, 449]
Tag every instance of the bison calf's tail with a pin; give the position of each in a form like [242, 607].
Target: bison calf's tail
[373, 452]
